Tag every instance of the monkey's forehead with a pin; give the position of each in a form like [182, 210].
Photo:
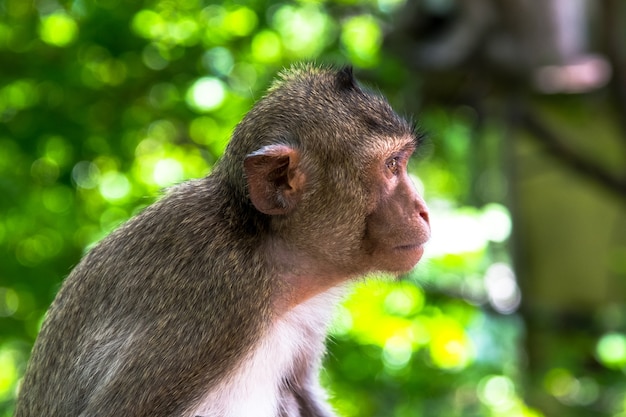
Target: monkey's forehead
[388, 145]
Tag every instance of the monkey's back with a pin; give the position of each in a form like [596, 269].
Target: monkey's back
[140, 307]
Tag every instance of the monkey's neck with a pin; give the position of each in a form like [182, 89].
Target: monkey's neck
[302, 276]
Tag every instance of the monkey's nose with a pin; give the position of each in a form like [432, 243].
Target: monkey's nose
[422, 209]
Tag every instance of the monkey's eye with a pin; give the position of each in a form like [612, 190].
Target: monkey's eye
[393, 165]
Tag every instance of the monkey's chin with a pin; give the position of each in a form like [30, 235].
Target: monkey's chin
[408, 257]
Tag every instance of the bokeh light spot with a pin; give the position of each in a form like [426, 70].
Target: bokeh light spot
[362, 37]
[218, 60]
[502, 289]
[266, 47]
[9, 302]
[19, 95]
[450, 348]
[241, 21]
[58, 29]
[397, 352]
[167, 172]
[496, 221]
[149, 24]
[153, 58]
[114, 186]
[611, 350]
[206, 94]
[86, 175]
[498, 392]
[304, 30]
[8, 376]
[404, 300]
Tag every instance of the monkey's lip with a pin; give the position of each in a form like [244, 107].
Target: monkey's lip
[411, 247]
[416, 249]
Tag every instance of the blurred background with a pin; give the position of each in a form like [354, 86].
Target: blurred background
[518, 309]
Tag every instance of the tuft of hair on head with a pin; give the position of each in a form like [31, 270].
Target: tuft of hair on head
[345, 78]
[295, 72]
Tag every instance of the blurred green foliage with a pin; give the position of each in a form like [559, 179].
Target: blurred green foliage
[103, 103]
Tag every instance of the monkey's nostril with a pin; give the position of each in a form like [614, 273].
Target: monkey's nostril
[422, 209]
[424, 215]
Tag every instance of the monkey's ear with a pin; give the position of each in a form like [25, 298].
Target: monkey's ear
[275, 180]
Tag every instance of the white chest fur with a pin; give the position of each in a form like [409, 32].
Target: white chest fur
[254, 388]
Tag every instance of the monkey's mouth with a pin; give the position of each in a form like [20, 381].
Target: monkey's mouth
[411, 247]
[413, 251]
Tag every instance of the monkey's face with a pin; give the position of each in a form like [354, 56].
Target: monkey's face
[326, 160]
[398, 226]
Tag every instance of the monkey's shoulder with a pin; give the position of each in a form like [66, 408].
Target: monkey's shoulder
[187, 232]
[188, 214]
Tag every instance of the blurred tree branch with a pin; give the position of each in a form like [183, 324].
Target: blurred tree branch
[557, 145]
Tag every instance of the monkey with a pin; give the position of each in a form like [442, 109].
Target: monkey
[214, 301]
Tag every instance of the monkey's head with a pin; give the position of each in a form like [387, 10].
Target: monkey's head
[325, 163]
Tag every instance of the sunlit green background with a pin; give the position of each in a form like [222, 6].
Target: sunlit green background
[104, 103]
